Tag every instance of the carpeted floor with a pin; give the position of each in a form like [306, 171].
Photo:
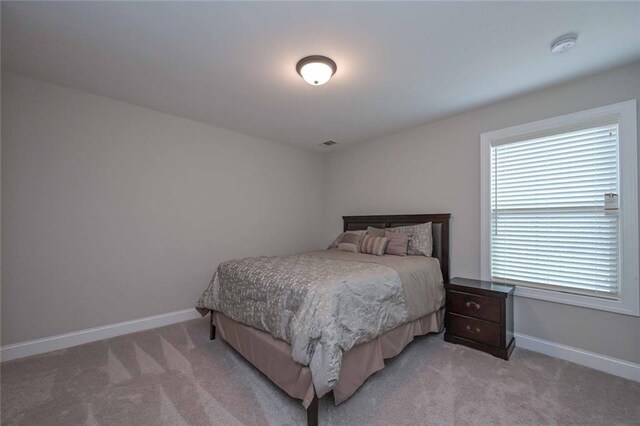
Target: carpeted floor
[175, 375]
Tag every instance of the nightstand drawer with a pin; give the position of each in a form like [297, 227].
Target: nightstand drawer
[472, 305]
[474, 329]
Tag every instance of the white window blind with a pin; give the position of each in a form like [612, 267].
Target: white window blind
[548, 224]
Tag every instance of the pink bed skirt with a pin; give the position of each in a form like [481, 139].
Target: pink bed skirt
[273, 357]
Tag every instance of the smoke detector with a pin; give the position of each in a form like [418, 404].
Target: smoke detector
[329, 143]
[563, 43]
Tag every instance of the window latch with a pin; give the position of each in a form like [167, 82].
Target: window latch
[610, 201]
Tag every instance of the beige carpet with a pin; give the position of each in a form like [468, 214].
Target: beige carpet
[175, 375]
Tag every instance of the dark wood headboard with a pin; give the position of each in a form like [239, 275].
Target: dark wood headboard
[440, 229]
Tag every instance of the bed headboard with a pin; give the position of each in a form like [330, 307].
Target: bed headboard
[440, 228]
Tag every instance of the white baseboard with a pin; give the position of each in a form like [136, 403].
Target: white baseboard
[61, 341]
[615, 366]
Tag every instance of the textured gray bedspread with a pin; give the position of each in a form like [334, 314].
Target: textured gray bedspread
[324, 303]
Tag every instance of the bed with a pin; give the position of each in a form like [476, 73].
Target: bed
[299, 319]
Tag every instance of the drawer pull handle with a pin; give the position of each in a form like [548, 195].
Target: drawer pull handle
[469, 304]
[475, 331]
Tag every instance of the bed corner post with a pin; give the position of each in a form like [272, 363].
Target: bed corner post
[312, 412]
[212, 328]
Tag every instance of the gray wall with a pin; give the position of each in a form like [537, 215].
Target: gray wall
[113, 212]
[436, 168]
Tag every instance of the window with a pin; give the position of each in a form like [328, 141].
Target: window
[545, 225]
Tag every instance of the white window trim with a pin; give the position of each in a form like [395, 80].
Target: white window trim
[629, 301]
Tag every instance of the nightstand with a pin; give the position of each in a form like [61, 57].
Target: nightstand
[480, 315]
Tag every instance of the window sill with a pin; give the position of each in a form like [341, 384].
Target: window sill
[617, 306]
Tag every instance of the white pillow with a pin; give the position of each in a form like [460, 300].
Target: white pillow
[338, 240]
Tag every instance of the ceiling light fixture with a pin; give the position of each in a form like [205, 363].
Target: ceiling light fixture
[316, 70]
[563, 43]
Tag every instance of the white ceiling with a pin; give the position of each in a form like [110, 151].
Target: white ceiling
[232, 64]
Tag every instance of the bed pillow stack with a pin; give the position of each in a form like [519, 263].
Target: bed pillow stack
[413, 240]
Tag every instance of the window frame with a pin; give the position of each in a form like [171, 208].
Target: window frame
[629, 286]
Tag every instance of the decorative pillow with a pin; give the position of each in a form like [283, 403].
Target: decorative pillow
[398, 243]
[421, 242]
[351, 241]
[338, 239]
[376, 232]
[374, 245]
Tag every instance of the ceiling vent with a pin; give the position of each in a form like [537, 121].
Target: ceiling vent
[329, 143]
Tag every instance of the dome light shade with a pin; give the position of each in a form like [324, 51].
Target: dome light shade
[316, 70]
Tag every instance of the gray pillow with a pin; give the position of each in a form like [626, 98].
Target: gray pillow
[375, 232]
[398, 243]
[421, 242]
